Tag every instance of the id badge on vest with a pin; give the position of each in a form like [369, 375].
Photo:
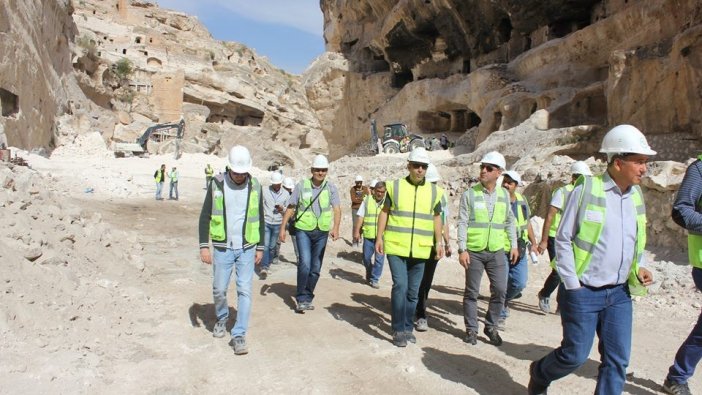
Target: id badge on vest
[480, 206]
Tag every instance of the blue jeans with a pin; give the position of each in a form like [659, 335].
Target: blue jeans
[173, 187]
[516, 279]
[406, 277]
[225, 261]
[310, 245]
[159, 188]
[584, 312]
[374, 267]
[270, 240]
[690, 352]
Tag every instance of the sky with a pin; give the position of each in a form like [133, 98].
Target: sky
[287, 32]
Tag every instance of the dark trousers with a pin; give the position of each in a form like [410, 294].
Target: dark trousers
[425, 285]
[553, 279]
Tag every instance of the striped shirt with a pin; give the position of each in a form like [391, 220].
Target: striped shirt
[686, 212]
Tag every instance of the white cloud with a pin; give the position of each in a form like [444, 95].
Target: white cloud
[303, 15]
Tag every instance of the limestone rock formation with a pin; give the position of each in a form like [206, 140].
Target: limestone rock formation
[451, 66]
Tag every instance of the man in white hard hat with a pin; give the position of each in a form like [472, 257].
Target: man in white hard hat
[518, 272]
[687, 212]
[420, 314]
[548, 233]
[410, 225]
[312, 202]
[231, 217]
[289, 185]
[275, 199]
[358, 192]
[368, 219]
[599, 255]
[485, 226]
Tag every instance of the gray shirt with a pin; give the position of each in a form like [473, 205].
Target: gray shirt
[235, 200]
[272, 198]
[316, 209]
[615, 249]
[465, 208]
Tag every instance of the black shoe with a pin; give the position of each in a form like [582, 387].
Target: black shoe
[670, 387]
[535, 388]
[410, 337]
[493, 336]
[301, 307]
[399, 339]
[471, 337]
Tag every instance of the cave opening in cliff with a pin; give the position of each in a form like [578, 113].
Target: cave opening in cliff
[401, 79]
[9, 103]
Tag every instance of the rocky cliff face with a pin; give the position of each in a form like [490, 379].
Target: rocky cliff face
[35, 70]
[481, 66]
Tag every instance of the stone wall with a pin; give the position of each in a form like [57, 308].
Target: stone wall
[167, 95]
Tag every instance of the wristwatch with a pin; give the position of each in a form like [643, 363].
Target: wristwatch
[461, 250]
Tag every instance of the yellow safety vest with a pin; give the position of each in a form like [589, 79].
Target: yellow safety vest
[159, 176]
[522, 221]
[486, 233]
[410, 228]
[218, 229]
[308, 220]
[592, 199]
[694, 242]
[209, 171]
[567, 189]
[370, 219]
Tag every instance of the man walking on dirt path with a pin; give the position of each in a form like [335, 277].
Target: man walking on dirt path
[368, 219]
[358, 192]
[231, 217]
[209, 173]
[160, 177]
[599, 257]
[275, 198]
[548, 233]
[687, 212]
[485, 226]
[312, 203]
[410, 224]
[173, 177]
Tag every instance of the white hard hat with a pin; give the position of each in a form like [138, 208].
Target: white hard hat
[432, 174]
[513, 175]
[494, 158]
[239, 159]
[419, 155]
[288, 183]
[276, 177]
[625, 139]
[581, 168]
[320, 162]
[359, 178]
[372, 183]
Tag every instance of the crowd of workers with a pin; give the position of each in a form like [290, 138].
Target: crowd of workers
[594, 233]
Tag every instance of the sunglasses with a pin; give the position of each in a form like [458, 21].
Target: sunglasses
[416, 165]
[488, 168]
[319, 170]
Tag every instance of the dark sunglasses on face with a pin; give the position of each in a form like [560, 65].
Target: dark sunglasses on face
[418, 165]
[319, 170]
[487, 168]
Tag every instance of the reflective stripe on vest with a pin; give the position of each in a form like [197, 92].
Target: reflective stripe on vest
[370, 219]
[694, 241]
[252, 221]
[209, 171]
[567, 189]
[309, 221]
[159, 176]
[173, 176]
[522, 221]
[484, 232]
[410, 227]
[592, 199]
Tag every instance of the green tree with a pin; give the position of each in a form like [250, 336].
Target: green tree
[123, 68]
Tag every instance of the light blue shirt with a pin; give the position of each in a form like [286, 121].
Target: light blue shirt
[614, 251]
[235, 200]
[466, 207]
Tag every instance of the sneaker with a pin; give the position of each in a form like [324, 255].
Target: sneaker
[239, 345]
[220, 328]
[535, 388]
[672, 388]
[301, 307]
[374, 284]
[493, 336]
[263, 274]
[505, 310]
[421, 325]
[399, 339]
[544, 304]
[471, 337]
[410, 337]
[501, 324]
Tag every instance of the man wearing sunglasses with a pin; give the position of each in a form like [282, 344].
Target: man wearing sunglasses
[312, 202]
[232, 217]
[599, 257]
[410, 223]
[485, 226]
